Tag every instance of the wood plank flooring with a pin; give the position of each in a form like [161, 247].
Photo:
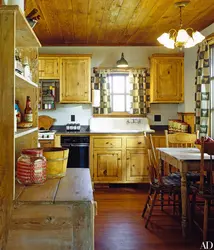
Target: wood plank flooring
[119, 226]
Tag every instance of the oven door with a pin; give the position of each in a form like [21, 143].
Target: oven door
[78, 155]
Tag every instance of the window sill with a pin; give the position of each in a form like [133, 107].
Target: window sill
[118, 114]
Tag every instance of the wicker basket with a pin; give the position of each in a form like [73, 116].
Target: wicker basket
[57, 159]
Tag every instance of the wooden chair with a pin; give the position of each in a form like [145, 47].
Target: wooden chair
[159, 185]
[182, 140]
[205, 190]
[172, 197]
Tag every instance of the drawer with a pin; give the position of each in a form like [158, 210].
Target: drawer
[135, 142]
[46, 143]
[107, 142]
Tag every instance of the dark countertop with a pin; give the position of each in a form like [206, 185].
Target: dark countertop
[61, 130]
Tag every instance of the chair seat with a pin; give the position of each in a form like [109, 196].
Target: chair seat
[191, 176]
[168, 182]
[206, 193]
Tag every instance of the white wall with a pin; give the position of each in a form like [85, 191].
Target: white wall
[107, 57]
[189, 75]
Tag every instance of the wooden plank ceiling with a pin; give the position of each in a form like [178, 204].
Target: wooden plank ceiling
[114, 22]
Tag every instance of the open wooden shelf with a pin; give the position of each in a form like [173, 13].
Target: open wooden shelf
[25, 36]
[24, 131]
[22, 82]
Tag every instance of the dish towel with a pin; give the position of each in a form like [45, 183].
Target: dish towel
[95, 98]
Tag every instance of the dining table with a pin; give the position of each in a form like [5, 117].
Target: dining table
[185, 160]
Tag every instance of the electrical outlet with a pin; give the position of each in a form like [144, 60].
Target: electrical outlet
[157, 118]
[72, 118]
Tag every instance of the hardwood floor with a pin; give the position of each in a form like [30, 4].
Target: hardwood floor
[119, 225]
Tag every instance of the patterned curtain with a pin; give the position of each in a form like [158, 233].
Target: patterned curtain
[202, 96]
[100, 82]
[140, 91]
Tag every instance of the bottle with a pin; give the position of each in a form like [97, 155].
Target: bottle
[28, 114]
[27, 72]
[18, 63]
[18, 114]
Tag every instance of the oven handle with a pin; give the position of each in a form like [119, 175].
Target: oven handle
[75, 145]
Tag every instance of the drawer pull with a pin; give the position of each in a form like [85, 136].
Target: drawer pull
[118, 159]
[139, 142]
[107, 142]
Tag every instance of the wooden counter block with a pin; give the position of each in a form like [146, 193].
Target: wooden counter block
[57, 215]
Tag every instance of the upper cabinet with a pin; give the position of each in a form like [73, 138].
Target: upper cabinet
[75, 79]
[167, 78]
[48, 67]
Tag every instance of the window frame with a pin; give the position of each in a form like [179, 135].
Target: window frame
[121, 113]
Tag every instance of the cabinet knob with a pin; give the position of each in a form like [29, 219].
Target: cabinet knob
[139, 142]
[78, 83]
[118, 159]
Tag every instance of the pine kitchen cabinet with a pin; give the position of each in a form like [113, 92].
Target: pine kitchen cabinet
[107, 165]
[48, 67]
[75, 79]
[167, 78]
[118, 159]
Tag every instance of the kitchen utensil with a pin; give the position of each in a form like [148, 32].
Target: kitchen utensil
[45, 122]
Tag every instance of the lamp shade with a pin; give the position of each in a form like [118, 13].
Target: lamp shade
[197, 37]
[122, 62]
[182, 36]
[164, 38]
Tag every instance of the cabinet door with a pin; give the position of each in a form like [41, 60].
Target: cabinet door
[137, 165]
[107, 166]
[167, 80]
[49, 68]
[75, 80]
[46, 143]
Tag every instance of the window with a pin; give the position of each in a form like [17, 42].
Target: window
[212, 89]
[120, 92]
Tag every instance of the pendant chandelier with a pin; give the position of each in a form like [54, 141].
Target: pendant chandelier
[122, 63]
[183, 38]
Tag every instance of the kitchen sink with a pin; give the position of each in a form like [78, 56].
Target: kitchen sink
[120, 125]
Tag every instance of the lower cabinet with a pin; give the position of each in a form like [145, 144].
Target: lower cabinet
[118, 159]
[137, 165]
[107, 165]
